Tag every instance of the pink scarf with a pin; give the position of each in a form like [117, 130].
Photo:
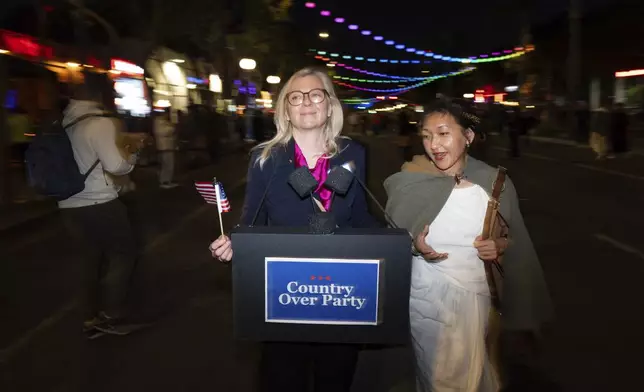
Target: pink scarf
[320, 172]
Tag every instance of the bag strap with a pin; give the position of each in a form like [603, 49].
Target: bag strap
[86, 116]
[490, 215]
[91, 169]
[493, 204]
[499, 184]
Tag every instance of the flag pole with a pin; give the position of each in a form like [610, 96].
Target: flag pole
[218, 194]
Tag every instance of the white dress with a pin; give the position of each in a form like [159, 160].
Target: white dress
[450, 302]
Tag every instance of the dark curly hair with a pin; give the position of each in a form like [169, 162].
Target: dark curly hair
[461, 115]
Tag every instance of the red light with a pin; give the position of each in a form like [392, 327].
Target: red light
[319, 57]
[94, 62]
[25, 45]
[382, 98]
[126, 67]
[393, 97]
[48, 8]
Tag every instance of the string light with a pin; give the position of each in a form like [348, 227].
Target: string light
[350, 79]
[406, 88]
[407, 61]
[365, 72]
[362, 71]
[369, 59]
[482, 58]
[360, 101]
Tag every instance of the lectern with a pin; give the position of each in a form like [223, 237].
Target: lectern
[351, 286]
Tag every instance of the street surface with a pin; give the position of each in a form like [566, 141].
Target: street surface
[585, 217]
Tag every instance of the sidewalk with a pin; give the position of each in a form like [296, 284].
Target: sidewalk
[18, 215]
[21, 213]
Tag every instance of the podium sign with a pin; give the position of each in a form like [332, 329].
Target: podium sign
[348, 287]
[322, 291]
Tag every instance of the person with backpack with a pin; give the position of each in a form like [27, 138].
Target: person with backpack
[95, 216]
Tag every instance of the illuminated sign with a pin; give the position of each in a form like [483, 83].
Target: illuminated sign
[25, 45]
[322, 291]
[626, 74]
[191, 79]
[126, 67]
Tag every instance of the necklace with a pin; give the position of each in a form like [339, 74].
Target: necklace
[459, 177]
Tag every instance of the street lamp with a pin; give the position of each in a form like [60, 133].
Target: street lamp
[273, 79]
[247, 64]
[324, 35]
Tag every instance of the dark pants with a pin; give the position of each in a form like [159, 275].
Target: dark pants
[104, 236]
[289, 367]
[619, 140]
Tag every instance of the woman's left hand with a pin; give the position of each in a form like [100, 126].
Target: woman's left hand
[489, 250]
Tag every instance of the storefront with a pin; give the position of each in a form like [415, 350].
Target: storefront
[36, 92]
[130, 88]
[38, 79]
[629, 88]
[173, 79]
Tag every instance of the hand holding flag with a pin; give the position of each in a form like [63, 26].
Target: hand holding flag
[213, 193]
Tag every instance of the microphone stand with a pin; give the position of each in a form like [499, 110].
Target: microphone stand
[375, 200]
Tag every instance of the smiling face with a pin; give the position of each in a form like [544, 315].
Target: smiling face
[446, 142]
[308, 104]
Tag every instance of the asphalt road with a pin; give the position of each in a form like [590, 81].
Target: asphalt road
[585, 217]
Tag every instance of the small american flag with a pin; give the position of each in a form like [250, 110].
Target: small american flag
[213, 193]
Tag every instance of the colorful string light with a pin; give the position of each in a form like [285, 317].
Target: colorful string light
[350, 79]
[358, 101]
[483, 58]
[406, 88]
[368, 59]
[362, 71]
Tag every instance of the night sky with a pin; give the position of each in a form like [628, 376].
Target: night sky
[456, 28]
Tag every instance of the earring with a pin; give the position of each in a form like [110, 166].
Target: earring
[467, 145]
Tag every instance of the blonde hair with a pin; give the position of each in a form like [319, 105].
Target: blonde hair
[332, 127]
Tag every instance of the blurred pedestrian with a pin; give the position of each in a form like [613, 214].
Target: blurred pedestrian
[96, 217]
[164, 135]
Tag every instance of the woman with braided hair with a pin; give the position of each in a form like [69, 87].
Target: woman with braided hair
[441, 198]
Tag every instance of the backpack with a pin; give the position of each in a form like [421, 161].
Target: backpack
[52, 169]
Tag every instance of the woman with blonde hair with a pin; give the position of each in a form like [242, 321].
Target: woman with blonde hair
[309, 119]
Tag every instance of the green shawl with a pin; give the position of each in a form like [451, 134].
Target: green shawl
[418, 193]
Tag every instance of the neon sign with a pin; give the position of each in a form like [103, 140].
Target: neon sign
[25, 45]
[194, 80]
[126, 67]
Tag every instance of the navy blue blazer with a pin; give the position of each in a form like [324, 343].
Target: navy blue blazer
[282, 205]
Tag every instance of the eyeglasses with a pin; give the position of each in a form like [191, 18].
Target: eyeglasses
[296, 98]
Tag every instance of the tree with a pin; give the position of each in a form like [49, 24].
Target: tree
[221, 31]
